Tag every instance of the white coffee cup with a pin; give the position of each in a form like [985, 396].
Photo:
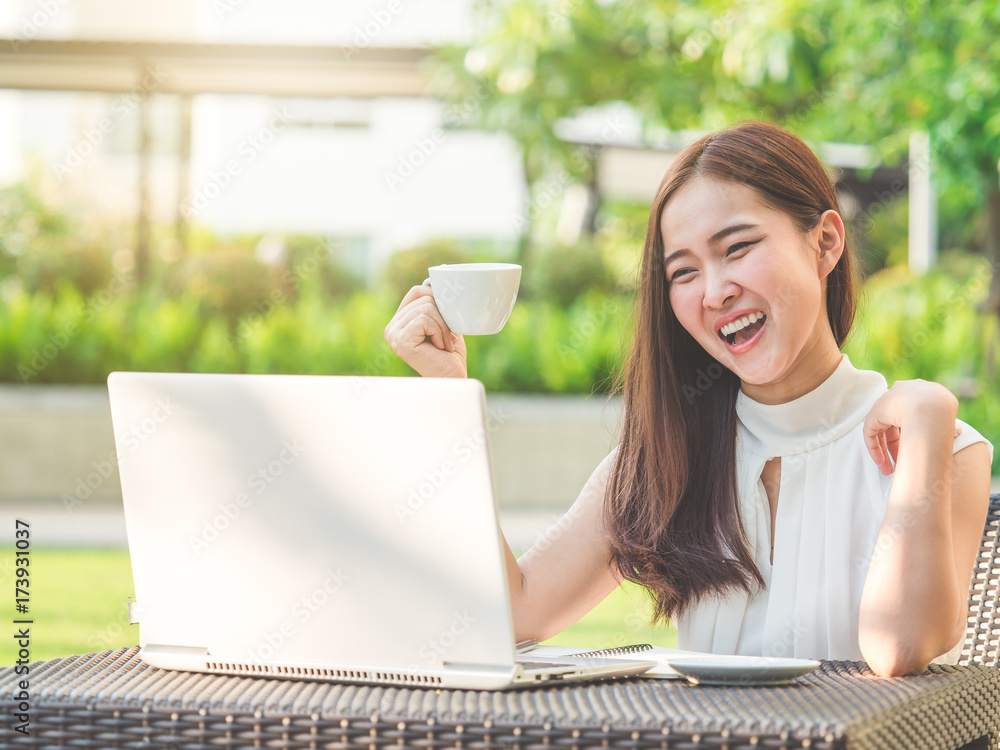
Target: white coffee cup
[475, 298]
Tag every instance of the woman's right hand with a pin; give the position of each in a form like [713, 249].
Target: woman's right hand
[419, 336]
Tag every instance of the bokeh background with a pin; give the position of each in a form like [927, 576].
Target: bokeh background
[251, 186]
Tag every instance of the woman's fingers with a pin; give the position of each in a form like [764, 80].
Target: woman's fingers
[912, 401]
[888, 450]
[417, 317]
[878, 446]
[416, 324]
[414, 293]
[892, 442]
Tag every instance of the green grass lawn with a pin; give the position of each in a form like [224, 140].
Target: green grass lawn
[78, 601]
[619, 620]
[79, 604]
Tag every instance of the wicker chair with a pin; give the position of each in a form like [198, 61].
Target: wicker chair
[982, 635]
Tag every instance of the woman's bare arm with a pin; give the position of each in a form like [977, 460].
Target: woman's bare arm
[914, 603]
[567, 572]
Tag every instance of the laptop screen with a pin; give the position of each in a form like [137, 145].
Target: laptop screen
[285, 519]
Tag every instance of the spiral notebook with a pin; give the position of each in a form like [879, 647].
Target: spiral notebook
[658, 654]
[635, 648]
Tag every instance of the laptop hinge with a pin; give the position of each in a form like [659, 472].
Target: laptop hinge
[174, 657]
[186, 651]
[465, 666]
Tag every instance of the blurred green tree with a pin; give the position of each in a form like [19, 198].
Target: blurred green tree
[679, 64]
[925, 65]
[868, 71]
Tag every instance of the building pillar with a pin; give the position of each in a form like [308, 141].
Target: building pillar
[142, 228]
[183, 173]
[922, 204]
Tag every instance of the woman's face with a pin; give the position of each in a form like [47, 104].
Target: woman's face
[749, 287]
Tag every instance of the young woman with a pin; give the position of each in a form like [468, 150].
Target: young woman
[774, 499]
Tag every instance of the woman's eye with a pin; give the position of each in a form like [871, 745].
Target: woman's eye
[680, 274]
[740, 246]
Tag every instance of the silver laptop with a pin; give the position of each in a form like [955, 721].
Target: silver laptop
[320, 527]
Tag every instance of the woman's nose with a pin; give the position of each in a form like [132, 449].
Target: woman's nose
[719, 289]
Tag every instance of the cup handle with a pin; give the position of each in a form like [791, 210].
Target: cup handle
[427, 282]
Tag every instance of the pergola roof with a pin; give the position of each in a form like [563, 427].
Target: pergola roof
[182, 68]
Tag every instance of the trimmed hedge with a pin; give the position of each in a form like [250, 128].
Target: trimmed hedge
[926, 327]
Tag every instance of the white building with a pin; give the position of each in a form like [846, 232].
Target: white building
[380, 172]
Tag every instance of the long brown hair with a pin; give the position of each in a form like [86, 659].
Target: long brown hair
[671, 511]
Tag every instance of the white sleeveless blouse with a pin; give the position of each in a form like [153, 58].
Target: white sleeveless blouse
[832, 502]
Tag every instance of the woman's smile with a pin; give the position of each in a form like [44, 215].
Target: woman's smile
[740, 331]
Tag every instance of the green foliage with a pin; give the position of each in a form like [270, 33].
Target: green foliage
[65, 338]
[308, 262]
[562, 273]
[896, 68]
[408, 268]
[855, 71]
[926, 327]
[225, 280]
[620, 236]
[547, 349]
[83, 265]
[44, 245]
[881, 235]
[931, 65]
[25, 217]
[679, 64]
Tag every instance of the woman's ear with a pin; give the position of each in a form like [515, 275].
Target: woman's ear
[832, 239]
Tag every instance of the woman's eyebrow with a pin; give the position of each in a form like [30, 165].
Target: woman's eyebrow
[674, 254]
[721, 234]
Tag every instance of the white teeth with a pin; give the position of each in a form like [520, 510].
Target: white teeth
[738, 325]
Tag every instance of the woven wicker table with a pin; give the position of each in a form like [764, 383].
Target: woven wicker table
[112, 700]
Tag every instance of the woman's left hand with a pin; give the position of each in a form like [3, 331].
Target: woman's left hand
[913, 608]
[918, 404]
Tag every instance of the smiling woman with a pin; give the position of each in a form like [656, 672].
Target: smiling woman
[754, 511]
[773, 499]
